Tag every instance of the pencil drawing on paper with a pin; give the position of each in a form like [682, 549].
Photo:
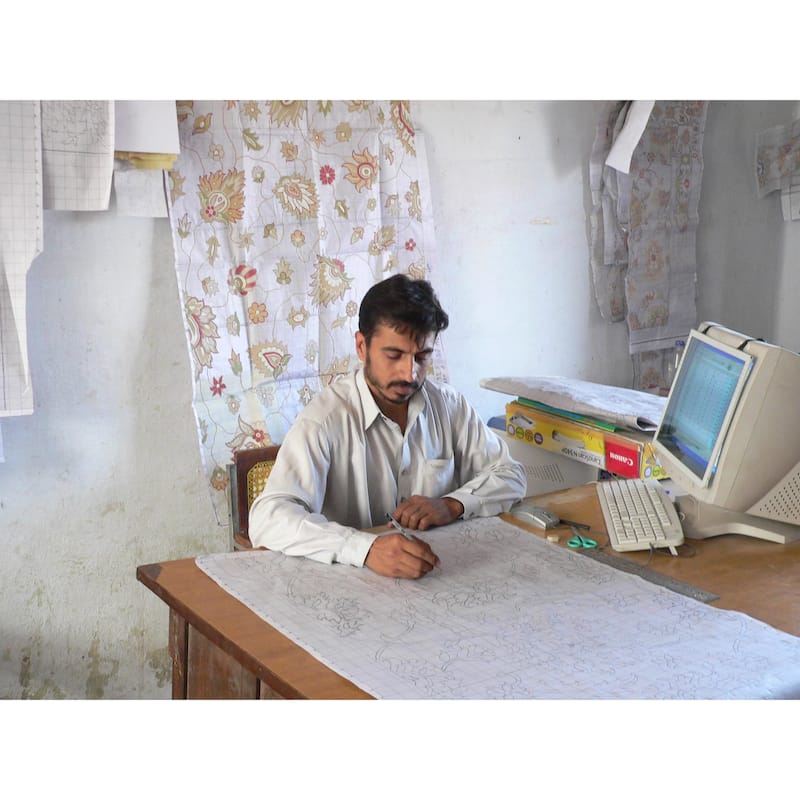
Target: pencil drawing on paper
[510, 616]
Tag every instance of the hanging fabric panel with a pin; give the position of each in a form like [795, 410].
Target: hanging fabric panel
[283, 214]
[643, 228]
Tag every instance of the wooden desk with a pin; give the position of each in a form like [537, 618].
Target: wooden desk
[221, 649]
[751, 575]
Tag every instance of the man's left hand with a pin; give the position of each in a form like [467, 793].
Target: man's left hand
[419, 513]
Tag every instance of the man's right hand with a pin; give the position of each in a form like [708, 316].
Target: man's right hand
[395, 556]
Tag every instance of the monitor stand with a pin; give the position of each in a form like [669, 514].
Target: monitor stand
[702, 521]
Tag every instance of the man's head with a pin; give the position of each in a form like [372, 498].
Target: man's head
[406, 305]
[398, 323]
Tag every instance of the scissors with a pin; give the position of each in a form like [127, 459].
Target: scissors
[579, 540]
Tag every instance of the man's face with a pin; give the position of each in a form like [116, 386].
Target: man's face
[395, 364]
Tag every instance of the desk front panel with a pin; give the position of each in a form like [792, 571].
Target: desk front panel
[209, 612]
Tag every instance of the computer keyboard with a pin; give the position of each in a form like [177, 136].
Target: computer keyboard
[639, 515]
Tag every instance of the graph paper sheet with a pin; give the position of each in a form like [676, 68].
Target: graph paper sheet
[78, 154]
[20, 242]
[510, 616]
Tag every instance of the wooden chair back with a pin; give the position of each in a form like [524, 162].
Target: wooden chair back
[249, 473]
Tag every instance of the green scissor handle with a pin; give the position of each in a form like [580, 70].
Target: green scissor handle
[579, 540]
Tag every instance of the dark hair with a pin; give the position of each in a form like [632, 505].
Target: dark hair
[403, 304]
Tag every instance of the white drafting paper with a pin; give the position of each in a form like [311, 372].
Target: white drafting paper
[146, 126]
[510, 616]
[619, 157]
[77, 153]
[21, 238]
[626, 408]
[139, 192]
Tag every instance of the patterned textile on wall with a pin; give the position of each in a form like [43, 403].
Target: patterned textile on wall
[608, 238]
[778, 158]
[283, 214]
[643, 233]
[777, 166]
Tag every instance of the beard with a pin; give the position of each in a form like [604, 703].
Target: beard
[404, 390]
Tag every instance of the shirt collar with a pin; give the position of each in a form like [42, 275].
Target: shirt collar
[371, 410]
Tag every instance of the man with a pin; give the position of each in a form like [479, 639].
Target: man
[384, 439]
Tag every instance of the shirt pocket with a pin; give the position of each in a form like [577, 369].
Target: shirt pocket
[438, 477]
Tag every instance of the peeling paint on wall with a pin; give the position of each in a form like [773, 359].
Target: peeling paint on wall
[97, 681]
[75, 622]
[117, 507]
[45, 690]
[161, 664]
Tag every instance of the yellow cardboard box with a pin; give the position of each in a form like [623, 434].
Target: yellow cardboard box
[556, 434]
[625, 453]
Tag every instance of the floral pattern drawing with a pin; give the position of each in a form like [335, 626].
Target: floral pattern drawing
[283, 213]
[643, 233]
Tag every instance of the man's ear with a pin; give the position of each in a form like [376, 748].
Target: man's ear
[361, 346]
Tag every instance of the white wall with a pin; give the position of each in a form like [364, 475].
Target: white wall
[510, 188]
[747, 255]
[105, 475]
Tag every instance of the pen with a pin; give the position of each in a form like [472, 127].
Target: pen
[399, 527]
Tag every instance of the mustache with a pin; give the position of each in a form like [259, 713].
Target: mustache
[404, 384]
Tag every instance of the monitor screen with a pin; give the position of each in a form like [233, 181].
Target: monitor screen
[701, 403]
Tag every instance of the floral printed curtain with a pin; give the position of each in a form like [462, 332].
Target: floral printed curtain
[283, 214]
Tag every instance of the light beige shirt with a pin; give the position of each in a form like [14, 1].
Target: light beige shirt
[343, 465]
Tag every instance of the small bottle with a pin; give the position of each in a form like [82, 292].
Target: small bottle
[671, 367]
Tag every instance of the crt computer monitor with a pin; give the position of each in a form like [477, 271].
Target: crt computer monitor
[729, 437]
